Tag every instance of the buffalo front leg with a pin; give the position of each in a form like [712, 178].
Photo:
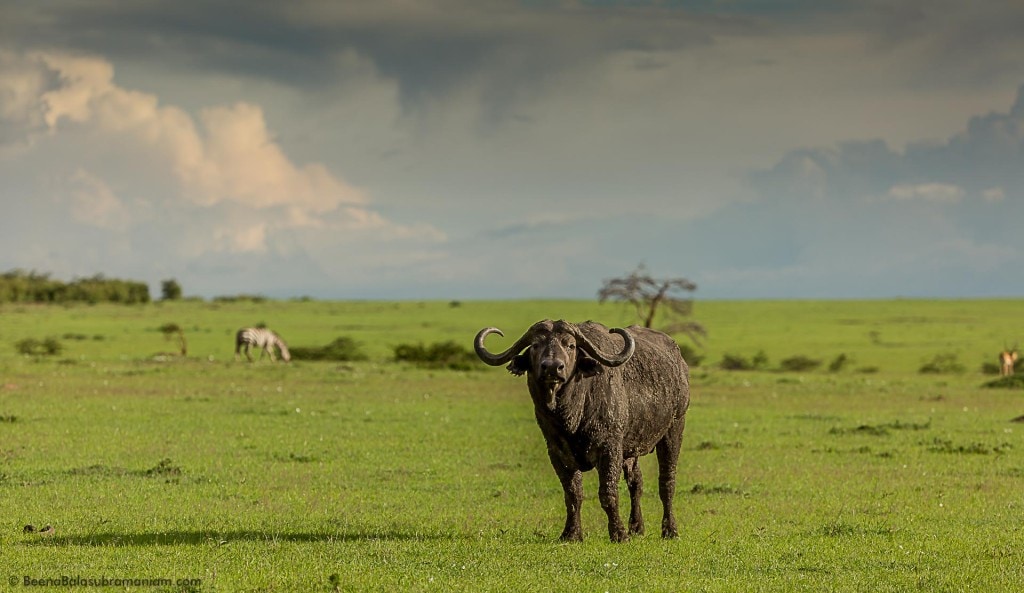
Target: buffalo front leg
[609, 470]
[572, 486]
[635, 481]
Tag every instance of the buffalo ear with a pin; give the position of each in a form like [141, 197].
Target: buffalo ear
[588, 367]
[519, 365]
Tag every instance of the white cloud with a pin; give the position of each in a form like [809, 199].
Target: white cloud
[232, 156]
[242, 163]
[21, 116]
[943, 193]
[994, 194]
[94, 203]
[232, 188]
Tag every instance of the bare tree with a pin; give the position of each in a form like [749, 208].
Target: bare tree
[650, 295]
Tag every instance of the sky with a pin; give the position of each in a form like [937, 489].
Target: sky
[484, 149]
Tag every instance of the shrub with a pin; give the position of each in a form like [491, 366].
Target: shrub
[34, 347]
[1010, 382]
[942, 364]
[690, 355]
[19, 286]
[838, 363]
[342, 349]
[240, 298]
[440, 355]
[735, 362]
[989, 368]
[799, 363]
[172, 330]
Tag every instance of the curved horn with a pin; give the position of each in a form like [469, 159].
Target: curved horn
[498, 359]
[613, 361]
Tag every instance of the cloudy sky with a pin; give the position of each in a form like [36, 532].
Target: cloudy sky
[408, 149]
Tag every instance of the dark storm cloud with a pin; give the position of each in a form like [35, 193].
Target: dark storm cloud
[988, 153]
[937, 218]
[429, 48]
[626, 132]
[249, 38]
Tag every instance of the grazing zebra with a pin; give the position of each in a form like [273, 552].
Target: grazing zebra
[262, 338]
[1006, 359]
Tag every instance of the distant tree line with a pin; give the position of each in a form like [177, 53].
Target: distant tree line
[19, 286]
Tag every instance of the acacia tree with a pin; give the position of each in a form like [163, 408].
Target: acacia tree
[651, 296]
[170, 290]
[172, 330]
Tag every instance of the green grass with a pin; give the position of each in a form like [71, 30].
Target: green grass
[383, 476]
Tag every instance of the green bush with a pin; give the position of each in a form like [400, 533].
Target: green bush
[799, 363]
[989, 368]
[838, 363]
[942, 364]
[34, 347]
[240, 298]
[1014, 381]
[19, 286]
[735, 362]
[342, 349]
[690, 355]
[440, 355]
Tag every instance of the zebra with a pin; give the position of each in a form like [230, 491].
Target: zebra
[262, 338]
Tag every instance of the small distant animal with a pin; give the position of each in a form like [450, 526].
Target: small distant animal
[261, 338]
[1006, 359]
[603, 402]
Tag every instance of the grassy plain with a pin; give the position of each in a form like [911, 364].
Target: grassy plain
[380, 476]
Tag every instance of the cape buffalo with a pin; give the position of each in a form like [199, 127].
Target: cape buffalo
[603, 402]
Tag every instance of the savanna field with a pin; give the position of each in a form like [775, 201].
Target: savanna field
[200, 473]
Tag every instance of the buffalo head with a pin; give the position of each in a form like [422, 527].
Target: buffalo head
[552, 352]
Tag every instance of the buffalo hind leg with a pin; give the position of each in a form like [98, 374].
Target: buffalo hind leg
[635, 481]
[572, 486]
[609, 471]
[668, 460]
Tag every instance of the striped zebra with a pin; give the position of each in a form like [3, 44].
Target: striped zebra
[262, 338]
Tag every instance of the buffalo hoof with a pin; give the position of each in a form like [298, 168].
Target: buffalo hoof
[669, 532]
[636, 528]
[571, 536]
[618, 536]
